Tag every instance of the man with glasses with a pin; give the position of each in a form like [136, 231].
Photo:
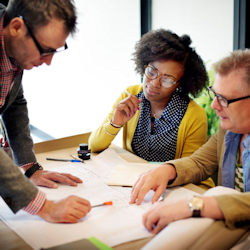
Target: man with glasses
[228, 152]
[31, 32]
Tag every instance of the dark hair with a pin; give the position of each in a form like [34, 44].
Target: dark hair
[164, 44]
[38, 13]
[237, 60]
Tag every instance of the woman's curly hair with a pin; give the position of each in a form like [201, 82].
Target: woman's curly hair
[165, 45]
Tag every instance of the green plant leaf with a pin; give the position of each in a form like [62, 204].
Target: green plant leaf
[205, 102]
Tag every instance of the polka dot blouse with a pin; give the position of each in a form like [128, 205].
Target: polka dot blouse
[159, 144]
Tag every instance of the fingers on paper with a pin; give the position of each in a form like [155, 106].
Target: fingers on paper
[40, 180]
[153, 222]
[135, 191]
[72, 177]
[139, 191]
[158, 192]
[49, 179]
[62, 178]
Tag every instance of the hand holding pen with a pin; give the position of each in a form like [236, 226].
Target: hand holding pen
[125, 110]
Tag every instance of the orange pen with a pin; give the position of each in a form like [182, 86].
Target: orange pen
[106, 203]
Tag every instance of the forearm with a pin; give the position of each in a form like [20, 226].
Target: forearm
[16, 189]
[169, 170]
[197, 167]
[16, 122]
[236, 209]
[211, 209]
[101, 138]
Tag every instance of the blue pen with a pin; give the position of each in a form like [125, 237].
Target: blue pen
[56, 159]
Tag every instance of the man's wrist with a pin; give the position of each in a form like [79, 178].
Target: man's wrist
[30, 171]
[195, 205]
[44, 208]
[171, 172]
[36, 204]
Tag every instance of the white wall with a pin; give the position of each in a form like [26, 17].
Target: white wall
[208, 22]
[75, 93]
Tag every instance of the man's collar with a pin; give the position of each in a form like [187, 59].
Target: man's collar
[246, 142]
[231, 137]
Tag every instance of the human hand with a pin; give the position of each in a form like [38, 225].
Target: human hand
[156, 179]
[49, 179]
[68, 210]
[125, 110]
[163, 213]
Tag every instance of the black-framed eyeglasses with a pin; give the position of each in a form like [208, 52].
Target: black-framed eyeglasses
[221, 99]
[166, 81]
[43, 52]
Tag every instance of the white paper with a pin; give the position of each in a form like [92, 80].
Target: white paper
[179, 234]
[109, 156]
[103, 163]
[220, 190]
[122, 220]
[113, 225]
[126, 174]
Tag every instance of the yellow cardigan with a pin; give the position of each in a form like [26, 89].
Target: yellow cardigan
[192, 132]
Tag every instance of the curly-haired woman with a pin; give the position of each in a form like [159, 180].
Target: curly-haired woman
[160, 122]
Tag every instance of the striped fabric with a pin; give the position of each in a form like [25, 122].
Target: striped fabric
[9, 69]
[28, 165]
[239, 183]
[36, 204]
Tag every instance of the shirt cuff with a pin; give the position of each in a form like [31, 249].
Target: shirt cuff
[36, 204]
[27, 166]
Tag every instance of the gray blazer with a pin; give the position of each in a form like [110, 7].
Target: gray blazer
[15, 188]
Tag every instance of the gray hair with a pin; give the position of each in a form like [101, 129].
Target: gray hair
[237, 60]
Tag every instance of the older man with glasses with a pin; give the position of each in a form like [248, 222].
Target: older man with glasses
[31, 32]
[228, 152]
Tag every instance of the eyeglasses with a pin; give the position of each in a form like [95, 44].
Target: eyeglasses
[43, 52]
[222, 100]
[166, 81]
